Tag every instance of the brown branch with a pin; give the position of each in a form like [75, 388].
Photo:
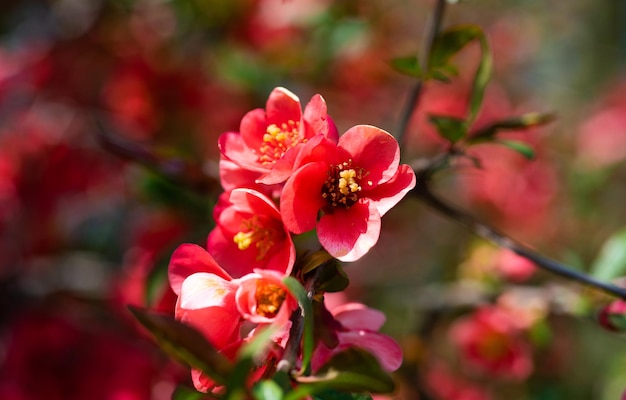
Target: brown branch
[423, 192]
[178, 170]
[414, 96]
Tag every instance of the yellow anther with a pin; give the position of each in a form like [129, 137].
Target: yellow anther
[243, 239]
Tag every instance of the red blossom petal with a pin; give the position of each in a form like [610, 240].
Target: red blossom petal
[317, 120]
[348, 234]
[203, 289]
[355, 316]
[282, 106]
[383, 347]
[233, 147]
[220, 325]
[188, 259]
[302, 197]
[374, 150]
[387, 195]
[252, 128]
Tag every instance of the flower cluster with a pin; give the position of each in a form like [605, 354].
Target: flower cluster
[287, 172]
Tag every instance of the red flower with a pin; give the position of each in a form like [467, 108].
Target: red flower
[215, 304]
[354, 183]
[250, 235]
[358, 327]
[491, 341]
[272, 137]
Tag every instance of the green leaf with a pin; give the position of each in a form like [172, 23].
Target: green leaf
[515, 123]
[267, 390]
[185, 393]
[521, 147]
[618, 321]
[408, 65]
[298, 291]
[310, 261]
[248, 358]
[481, 78]
[450, 42]
[452, 129]
[185, 344]
[611, 261]
[331, 278]
[352, 370]
[334, 395]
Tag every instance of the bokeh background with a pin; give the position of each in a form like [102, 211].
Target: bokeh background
[109, 118]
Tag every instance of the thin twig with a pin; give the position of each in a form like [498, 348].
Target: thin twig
[423, 192]
[414, 96]
[171, 168]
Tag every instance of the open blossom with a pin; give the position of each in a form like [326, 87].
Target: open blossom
[353, 183]
[214, 303]
[272, 137]
[357, 326]
[250, 235]
[491, 341]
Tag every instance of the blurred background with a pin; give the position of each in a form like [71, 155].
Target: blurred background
[109, 118]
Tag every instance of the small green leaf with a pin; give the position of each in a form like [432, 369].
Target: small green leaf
[515, 123]
[267, 390]
[298, 291]
[450, 42]
[618, 322]
[352, 370]
[334, 395]
[310, 261]
[481, 78]
[331, 278]
[185, 393]
[185, 344]
[452, 129]
[408, 65]
[520, 147]
[611, 262]
[248, 358]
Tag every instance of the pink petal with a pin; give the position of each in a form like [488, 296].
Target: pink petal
[348, 234]
[282, 106]
[189, 259]
[252, 128]
[233, 148]
[233, 176]
[374, 150]
[220, 325]
[383, 347]
[254, 202]
[355, 316]
[203, 289]
[317, 120]
[387, 195]
[302, 197]
[237, 262]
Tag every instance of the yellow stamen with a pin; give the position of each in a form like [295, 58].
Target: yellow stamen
[269, 298]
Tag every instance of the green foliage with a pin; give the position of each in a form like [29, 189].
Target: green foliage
[352, 370]
[298, 291]
[611, 262]
[520, 147]
[408, 65]
[267, 390]
[185, 344]
[451, 128]
[521, 122]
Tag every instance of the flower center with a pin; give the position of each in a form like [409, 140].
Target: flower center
[342, 187]
[493, 346]
[253, 232]
[269, 297]
[278, 139]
